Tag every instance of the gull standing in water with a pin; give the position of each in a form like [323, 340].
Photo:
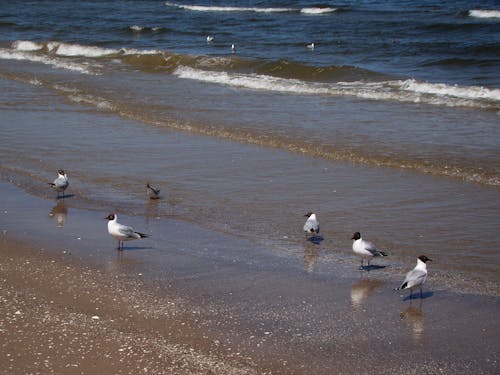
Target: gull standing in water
[312, 224]
[122, 232]
[60, 183]
[365, 249]
[152, 192]
[416, 277]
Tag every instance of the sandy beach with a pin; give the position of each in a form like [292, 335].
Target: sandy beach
[74, 304]
[391, 130]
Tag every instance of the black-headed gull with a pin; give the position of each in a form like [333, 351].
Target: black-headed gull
[60, 183]
[122, 232]
[312, 224]
[416, 277]
[365, 249]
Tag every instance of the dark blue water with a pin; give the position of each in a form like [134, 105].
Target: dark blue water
[434, 41]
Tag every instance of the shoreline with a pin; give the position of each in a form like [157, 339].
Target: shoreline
[216, 307]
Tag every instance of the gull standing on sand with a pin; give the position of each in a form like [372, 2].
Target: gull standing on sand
[60, 183]
[416, 277]
[312, 224]
[152, 192]
[365, 249]
[122, 232]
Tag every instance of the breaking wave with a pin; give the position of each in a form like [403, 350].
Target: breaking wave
[254, 74]
[206, 8]
[477, 13]
[397, 90]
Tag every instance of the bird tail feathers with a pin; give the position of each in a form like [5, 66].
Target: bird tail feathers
[402, 286]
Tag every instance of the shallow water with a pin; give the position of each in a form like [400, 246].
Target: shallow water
[254, 192]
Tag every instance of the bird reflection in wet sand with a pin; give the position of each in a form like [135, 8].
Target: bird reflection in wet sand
[60, 212]
[414, 316]
[311, 255]
[362, 290]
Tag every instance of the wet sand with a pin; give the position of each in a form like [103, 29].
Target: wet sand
[72, 304]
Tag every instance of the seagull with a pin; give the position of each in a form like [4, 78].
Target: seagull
[416, 277]
[60, 183]
[121, 232]
[312, 224]
[152, 192]
[210, 38]
[233, 48]
[365, 249]
[310, 46]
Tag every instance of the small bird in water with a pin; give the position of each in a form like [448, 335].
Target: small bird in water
[365, 249]
[210, 38]
[152, 192]
[122, 232]
[233, 48]
[312, 224]
[416, 277]
[60, 183]
[310, 46]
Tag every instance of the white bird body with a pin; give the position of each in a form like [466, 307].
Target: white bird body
[210, 38]
[122, 232]
[311, 225]
[60, 183]
[416, 277]
[310, 46]
[365, 249]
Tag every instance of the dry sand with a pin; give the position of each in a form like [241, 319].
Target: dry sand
[56, 317]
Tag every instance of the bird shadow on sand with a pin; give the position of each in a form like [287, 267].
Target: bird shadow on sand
[372, 267]
[134, 248]
[65, 196]
[316, 239]
[425, 295]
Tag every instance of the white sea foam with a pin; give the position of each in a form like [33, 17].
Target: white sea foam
[478, 13]
[205, 8]
[462, 92]
[133, 51]
[136, 28]
[93, 101]
[26, 45]
[54, 62]
[72, 50]
[317, 10]
[402, 91]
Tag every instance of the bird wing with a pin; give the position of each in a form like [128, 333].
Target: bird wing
[153, 190]
[126, 231]
[60, 182]
[369, 246]
[414, 278]
[311, 225]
